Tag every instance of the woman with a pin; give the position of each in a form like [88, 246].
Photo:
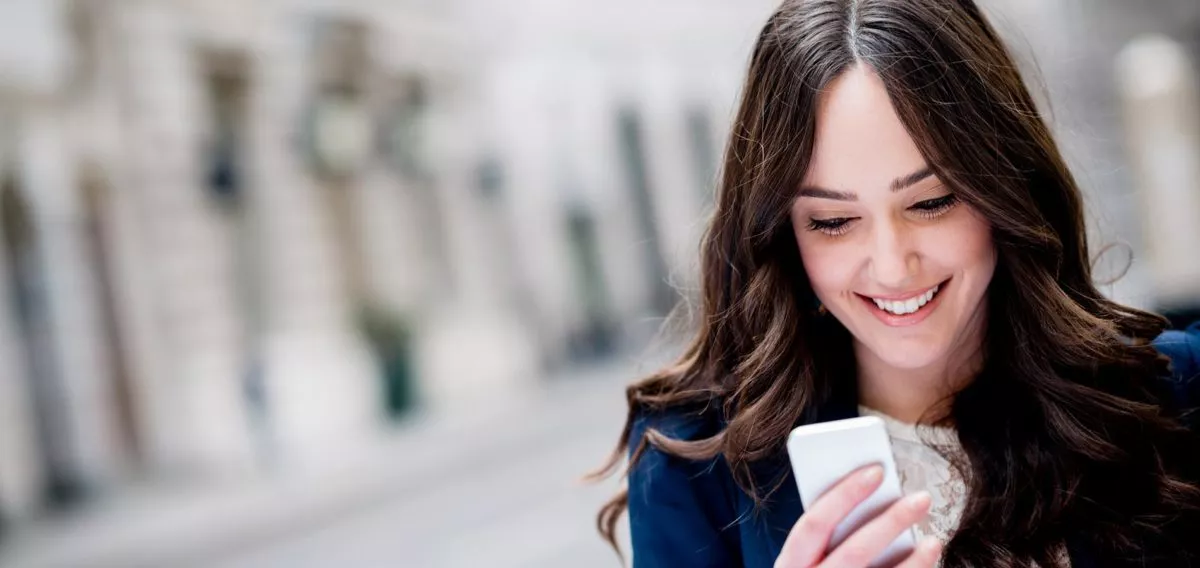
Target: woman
[896, 233]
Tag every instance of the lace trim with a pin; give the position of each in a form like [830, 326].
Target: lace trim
[921, 467]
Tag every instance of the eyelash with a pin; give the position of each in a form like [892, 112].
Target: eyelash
[932, 208]
[832, 227]
[928, 209]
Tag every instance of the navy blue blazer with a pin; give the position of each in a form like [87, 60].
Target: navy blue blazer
[692, 514]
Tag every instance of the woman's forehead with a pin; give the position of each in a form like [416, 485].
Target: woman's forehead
[860, 144]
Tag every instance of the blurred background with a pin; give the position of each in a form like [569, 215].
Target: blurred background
[358, 283]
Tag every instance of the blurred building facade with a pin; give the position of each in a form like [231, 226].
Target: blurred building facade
[224, 219]
[1072, 49]
[202, 202]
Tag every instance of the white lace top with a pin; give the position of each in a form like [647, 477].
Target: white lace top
[922, 468]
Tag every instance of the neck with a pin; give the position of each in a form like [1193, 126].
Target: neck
[913, 394]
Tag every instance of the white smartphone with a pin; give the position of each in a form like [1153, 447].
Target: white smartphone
[824, 453]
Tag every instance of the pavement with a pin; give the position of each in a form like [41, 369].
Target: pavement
[495, 486]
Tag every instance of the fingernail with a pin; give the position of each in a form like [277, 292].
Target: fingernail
[872, 475]
[918, 501]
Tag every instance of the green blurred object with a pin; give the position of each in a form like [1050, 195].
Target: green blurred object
[390, 337]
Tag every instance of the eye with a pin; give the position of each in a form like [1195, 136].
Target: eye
[832, 227]
[931, 208]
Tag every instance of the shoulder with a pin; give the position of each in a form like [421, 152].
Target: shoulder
[1182, 347]
[681, 511]
[657, 476]
[686, 423]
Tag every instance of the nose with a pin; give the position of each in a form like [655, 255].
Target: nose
[894, 259]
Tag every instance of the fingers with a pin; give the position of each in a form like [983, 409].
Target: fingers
[868, 542]
[926, 555]
[809, 537]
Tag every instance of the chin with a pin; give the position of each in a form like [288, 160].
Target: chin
[901, 355]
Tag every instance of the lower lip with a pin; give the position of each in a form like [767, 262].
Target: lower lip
[893, 320]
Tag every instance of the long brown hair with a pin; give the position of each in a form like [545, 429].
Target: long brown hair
[1064, 429]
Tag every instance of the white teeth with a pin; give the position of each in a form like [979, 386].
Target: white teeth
[908, 306]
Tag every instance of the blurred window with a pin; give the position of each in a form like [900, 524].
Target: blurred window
[223, 161]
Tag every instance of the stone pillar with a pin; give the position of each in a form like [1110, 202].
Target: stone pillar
[473, 345]
[54, 392]
[533, 198]
[21, 471]
[321, 384]
[49, 185]
[1158, 86]
[598, 166]
[677, 199]
[197, 401]
[596, 160]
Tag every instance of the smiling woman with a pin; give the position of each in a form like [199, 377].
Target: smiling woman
[886, 246]
[888, 164]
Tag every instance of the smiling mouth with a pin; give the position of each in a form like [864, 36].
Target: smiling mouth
[913, 304]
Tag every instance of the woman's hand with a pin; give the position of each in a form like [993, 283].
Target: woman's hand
[807, 543]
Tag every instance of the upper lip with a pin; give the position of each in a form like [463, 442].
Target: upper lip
[902, 296]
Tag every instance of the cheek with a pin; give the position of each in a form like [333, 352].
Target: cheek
[826, 265]
[964, 244]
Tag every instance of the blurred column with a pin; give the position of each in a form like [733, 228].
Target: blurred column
[1158, 86]
[599, 162]
[321, 386]
[198, 405]
[474, 346]
[32, 65]
[54, 297]
[130, 342]
[399, 212]
[677, 201]
[21, 468]
[72, 329]
[523, 97]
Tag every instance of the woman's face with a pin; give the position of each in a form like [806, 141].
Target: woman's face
[889, 250]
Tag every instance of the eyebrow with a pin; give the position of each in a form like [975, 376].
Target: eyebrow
[898, 184]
